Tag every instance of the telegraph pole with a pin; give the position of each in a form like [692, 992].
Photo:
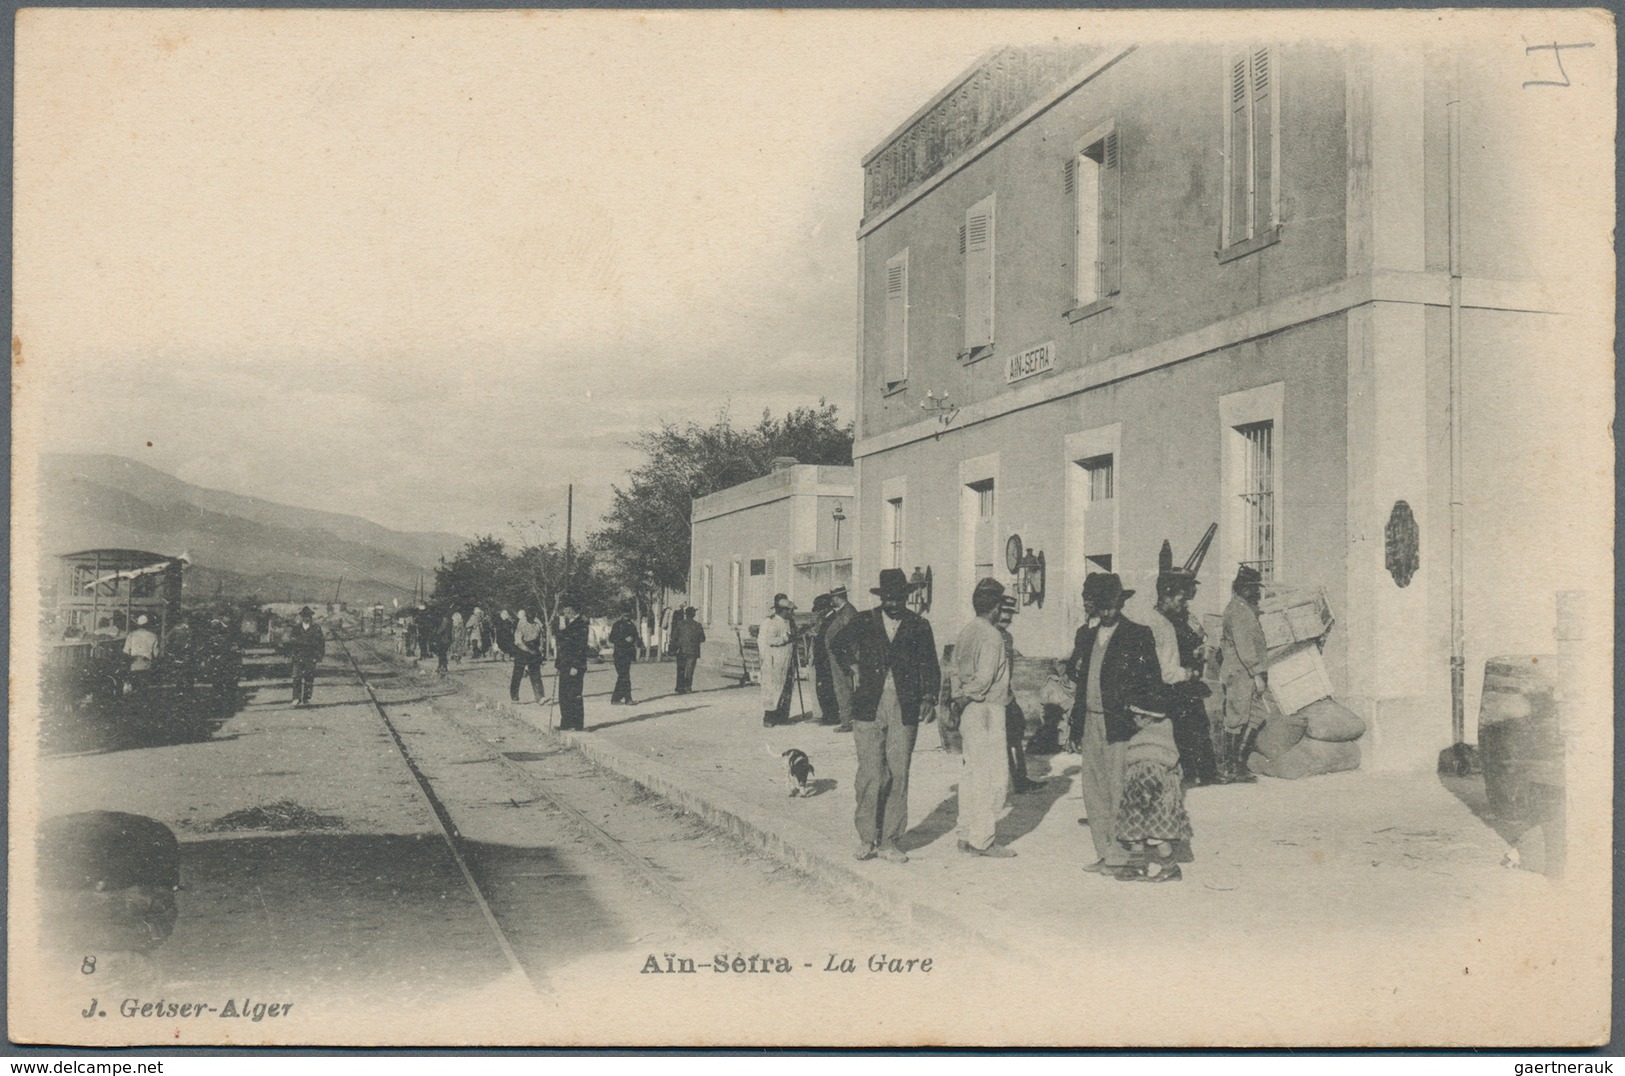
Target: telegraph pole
[569, 525]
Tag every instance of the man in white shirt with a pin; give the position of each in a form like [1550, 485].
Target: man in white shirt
[981, 683]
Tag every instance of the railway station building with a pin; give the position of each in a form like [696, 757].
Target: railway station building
[1112, 295]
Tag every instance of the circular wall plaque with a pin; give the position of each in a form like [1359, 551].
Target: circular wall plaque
[1012, 552]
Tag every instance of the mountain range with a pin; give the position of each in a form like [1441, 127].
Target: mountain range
[238, 545]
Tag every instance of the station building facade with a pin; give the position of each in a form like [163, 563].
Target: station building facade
[787, 532]
[1112, 295]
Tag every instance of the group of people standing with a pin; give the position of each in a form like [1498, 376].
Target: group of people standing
[1138, 718]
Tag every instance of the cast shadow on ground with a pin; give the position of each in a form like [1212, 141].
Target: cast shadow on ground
[376, 914]
[634, 719]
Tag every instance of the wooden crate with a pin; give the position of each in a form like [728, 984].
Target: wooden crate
[1291, 615]
[1298, 679]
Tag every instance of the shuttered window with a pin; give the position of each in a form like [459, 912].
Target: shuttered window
[978, 248]
[1252, 153]
[1093, 178]
[1258, 496]
[896, 344]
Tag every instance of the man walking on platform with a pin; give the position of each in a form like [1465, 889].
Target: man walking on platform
[1114, 663]
[898, 678]
[571, 662]
[526, 647]
[687, 637]
[775, 643]
[981, 688]
[306, 648]
[623, 637]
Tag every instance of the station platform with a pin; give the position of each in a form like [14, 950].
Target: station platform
[1279, 865]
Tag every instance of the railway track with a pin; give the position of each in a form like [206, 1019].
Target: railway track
[491, 779]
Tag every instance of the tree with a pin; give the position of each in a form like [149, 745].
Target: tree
[646, 531]
[480, 574]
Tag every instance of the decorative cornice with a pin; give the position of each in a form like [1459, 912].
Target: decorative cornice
[1427, 289]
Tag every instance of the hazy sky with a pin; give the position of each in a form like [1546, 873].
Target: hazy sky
[430, 267]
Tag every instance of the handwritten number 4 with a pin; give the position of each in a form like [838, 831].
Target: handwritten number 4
[1557, 57]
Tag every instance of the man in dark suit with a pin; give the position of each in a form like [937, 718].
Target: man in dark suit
[1114, 661]
[306, 648]
[623, 636]
[687, 639]
[841, 613]
[898, 676]
[570, 659]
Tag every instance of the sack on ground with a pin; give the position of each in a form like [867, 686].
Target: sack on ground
[1307, 759]
[1280, 734]
[1332, 721]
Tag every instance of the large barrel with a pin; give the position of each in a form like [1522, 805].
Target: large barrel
[1517, 729]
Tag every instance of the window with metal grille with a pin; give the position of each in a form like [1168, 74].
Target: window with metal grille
[1258, 496]
[1100, 477]
[758, 567]
[895, 511]
[984, 498]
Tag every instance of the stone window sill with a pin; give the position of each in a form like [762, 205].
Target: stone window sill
[1089, 310]
[1267, 238]
[975, 354]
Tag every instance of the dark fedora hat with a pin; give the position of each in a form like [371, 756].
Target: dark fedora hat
[1247, 575]
[1104, 588]
[893, 583]
[307, 611]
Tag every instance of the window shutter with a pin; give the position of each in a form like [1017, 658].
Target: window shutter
[979, 274]
[1240, 152]
[961, 239]
[1263, 139]
[1111, 218]
[1069, 175]
[897, 319]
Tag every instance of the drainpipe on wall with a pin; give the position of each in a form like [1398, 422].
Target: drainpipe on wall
[1458, 655]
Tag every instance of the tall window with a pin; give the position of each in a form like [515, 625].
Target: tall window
[1258, 496]
[894, 513]
[706, 583]
[1252, 154]
[735, 592]
[976, 243]
[1100, 535]
[986, 543]
[896, 345]
[1093, 178]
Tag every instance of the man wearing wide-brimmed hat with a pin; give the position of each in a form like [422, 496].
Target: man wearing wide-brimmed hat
[775, 642]
[1241, 671]
[1114, 662]
[898, 676]
[306, 648]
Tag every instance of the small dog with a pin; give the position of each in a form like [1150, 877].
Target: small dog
[801, 768]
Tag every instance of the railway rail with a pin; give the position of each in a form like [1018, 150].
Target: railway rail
[695, 882]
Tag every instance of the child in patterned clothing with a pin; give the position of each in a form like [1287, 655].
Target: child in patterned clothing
[1152, 813]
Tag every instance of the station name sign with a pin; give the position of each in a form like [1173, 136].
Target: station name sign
[1035, 360]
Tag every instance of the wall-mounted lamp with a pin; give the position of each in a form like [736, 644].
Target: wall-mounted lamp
[1030, 579]
[919, 595]
[944, 408]
[839, 516]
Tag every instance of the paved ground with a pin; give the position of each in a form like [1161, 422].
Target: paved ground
[1338, 907]
[1356, 908]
